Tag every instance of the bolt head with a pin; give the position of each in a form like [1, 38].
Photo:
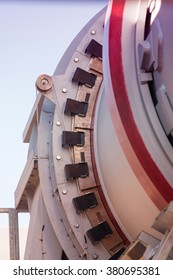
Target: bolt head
[64, 192]
[58, 123]
[76, 225]
[64, 90]
[58, 157]
[76, 59]
[93, 32]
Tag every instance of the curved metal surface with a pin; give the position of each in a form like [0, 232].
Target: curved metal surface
[94, 133]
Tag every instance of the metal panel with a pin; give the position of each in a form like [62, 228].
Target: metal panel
[165, 247]
[28, 177]
[96, 65]
[33, 118]
[164, 221]
[148, 239]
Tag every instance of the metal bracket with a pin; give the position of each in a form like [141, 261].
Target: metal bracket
[44, 83]
[76, 170]
[74, 107]
[94, 48]
[98, 232]
[118, 254]
[83, 77]
[84, 202]
[70, 138]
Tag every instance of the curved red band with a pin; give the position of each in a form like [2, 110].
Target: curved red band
[122, 101]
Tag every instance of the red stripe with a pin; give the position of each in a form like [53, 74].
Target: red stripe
[122, 101]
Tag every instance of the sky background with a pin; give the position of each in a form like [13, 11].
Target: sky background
[33, 35]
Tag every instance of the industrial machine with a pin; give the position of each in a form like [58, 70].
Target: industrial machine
[98, 181]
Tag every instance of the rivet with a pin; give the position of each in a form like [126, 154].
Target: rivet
[58, 123]
[64, 192]
[58, 157]
[76, 59]
[82, 255]
[95, 256]
[64, 90]
[93, 32]
[76, 225]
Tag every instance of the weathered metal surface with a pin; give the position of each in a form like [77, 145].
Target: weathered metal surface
[81, 122]
[97, 65]
[88, 182]
[13, 232]
[109, 163]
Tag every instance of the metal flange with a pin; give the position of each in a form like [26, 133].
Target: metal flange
[44, 82]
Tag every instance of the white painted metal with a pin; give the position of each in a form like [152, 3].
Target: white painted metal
[121, 185]
[117, 177]
[143, 109]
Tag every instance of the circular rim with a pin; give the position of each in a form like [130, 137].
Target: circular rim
[161, 188]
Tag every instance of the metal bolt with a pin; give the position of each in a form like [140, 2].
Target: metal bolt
[58, 157]
[64, 90]
[76, 59]
[82, 255]
[93, 32]
[64, 192]
[76, 225]
[44, 82]
[58, 123]
[95, 256]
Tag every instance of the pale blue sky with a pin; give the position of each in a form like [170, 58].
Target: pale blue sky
[33, 35]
